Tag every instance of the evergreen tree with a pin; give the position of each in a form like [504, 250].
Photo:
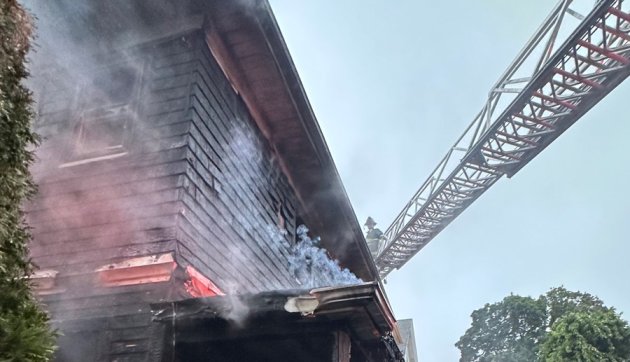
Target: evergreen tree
[24, 330]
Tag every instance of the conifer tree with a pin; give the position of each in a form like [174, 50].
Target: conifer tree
[24, 331]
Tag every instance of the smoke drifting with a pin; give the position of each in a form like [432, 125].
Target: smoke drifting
[238, 310]
[312, 266]
[147, 150]
[122, 166]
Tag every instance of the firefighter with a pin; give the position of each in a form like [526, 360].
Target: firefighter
[373, 236]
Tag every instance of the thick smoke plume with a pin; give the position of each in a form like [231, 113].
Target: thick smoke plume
[312, 266]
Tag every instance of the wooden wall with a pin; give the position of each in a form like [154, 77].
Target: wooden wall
[87, 215]
[193, 175]
[234, 193]
[197, 178]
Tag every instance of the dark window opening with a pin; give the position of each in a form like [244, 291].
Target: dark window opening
[282, 214]
[298, 222]
[282, 217]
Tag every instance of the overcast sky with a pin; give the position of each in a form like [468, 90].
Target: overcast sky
[393, 83]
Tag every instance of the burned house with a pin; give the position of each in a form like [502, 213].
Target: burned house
[179, 156]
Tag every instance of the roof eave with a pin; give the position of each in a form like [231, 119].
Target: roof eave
[311, 170]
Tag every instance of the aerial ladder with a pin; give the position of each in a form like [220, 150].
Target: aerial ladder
[545, 90]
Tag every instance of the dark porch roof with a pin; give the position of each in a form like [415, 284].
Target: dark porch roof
[288, 316]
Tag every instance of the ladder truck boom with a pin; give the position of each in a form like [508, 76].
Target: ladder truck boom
[526, 110]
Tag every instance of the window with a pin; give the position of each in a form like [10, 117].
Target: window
[110, 88]
[101, 135]
[105, 114]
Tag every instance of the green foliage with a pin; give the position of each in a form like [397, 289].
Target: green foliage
[509, 330]
[559, 326]
[588, 336]
[561, 301]
[24, 331]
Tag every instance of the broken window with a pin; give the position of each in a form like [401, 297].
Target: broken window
[282, 215]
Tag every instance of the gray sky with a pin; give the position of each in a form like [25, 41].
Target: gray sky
[393, 84]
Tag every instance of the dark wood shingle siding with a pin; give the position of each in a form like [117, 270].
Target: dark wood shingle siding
[234, 189]
[110, 337]
[199, 179]
[88, 215]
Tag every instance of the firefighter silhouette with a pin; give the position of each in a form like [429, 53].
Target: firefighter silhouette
[373, 236]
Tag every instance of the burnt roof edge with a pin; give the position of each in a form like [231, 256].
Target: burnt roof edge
[341, 302]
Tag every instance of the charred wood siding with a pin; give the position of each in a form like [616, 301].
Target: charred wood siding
[234, 195]
[193, 175]
[190, 174]
[90, 212]
[119, 338]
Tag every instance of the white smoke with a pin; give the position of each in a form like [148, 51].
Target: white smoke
[313, 268]
[238, 310]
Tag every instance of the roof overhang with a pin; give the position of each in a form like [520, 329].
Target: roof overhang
[359, 310]
[247, 40]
